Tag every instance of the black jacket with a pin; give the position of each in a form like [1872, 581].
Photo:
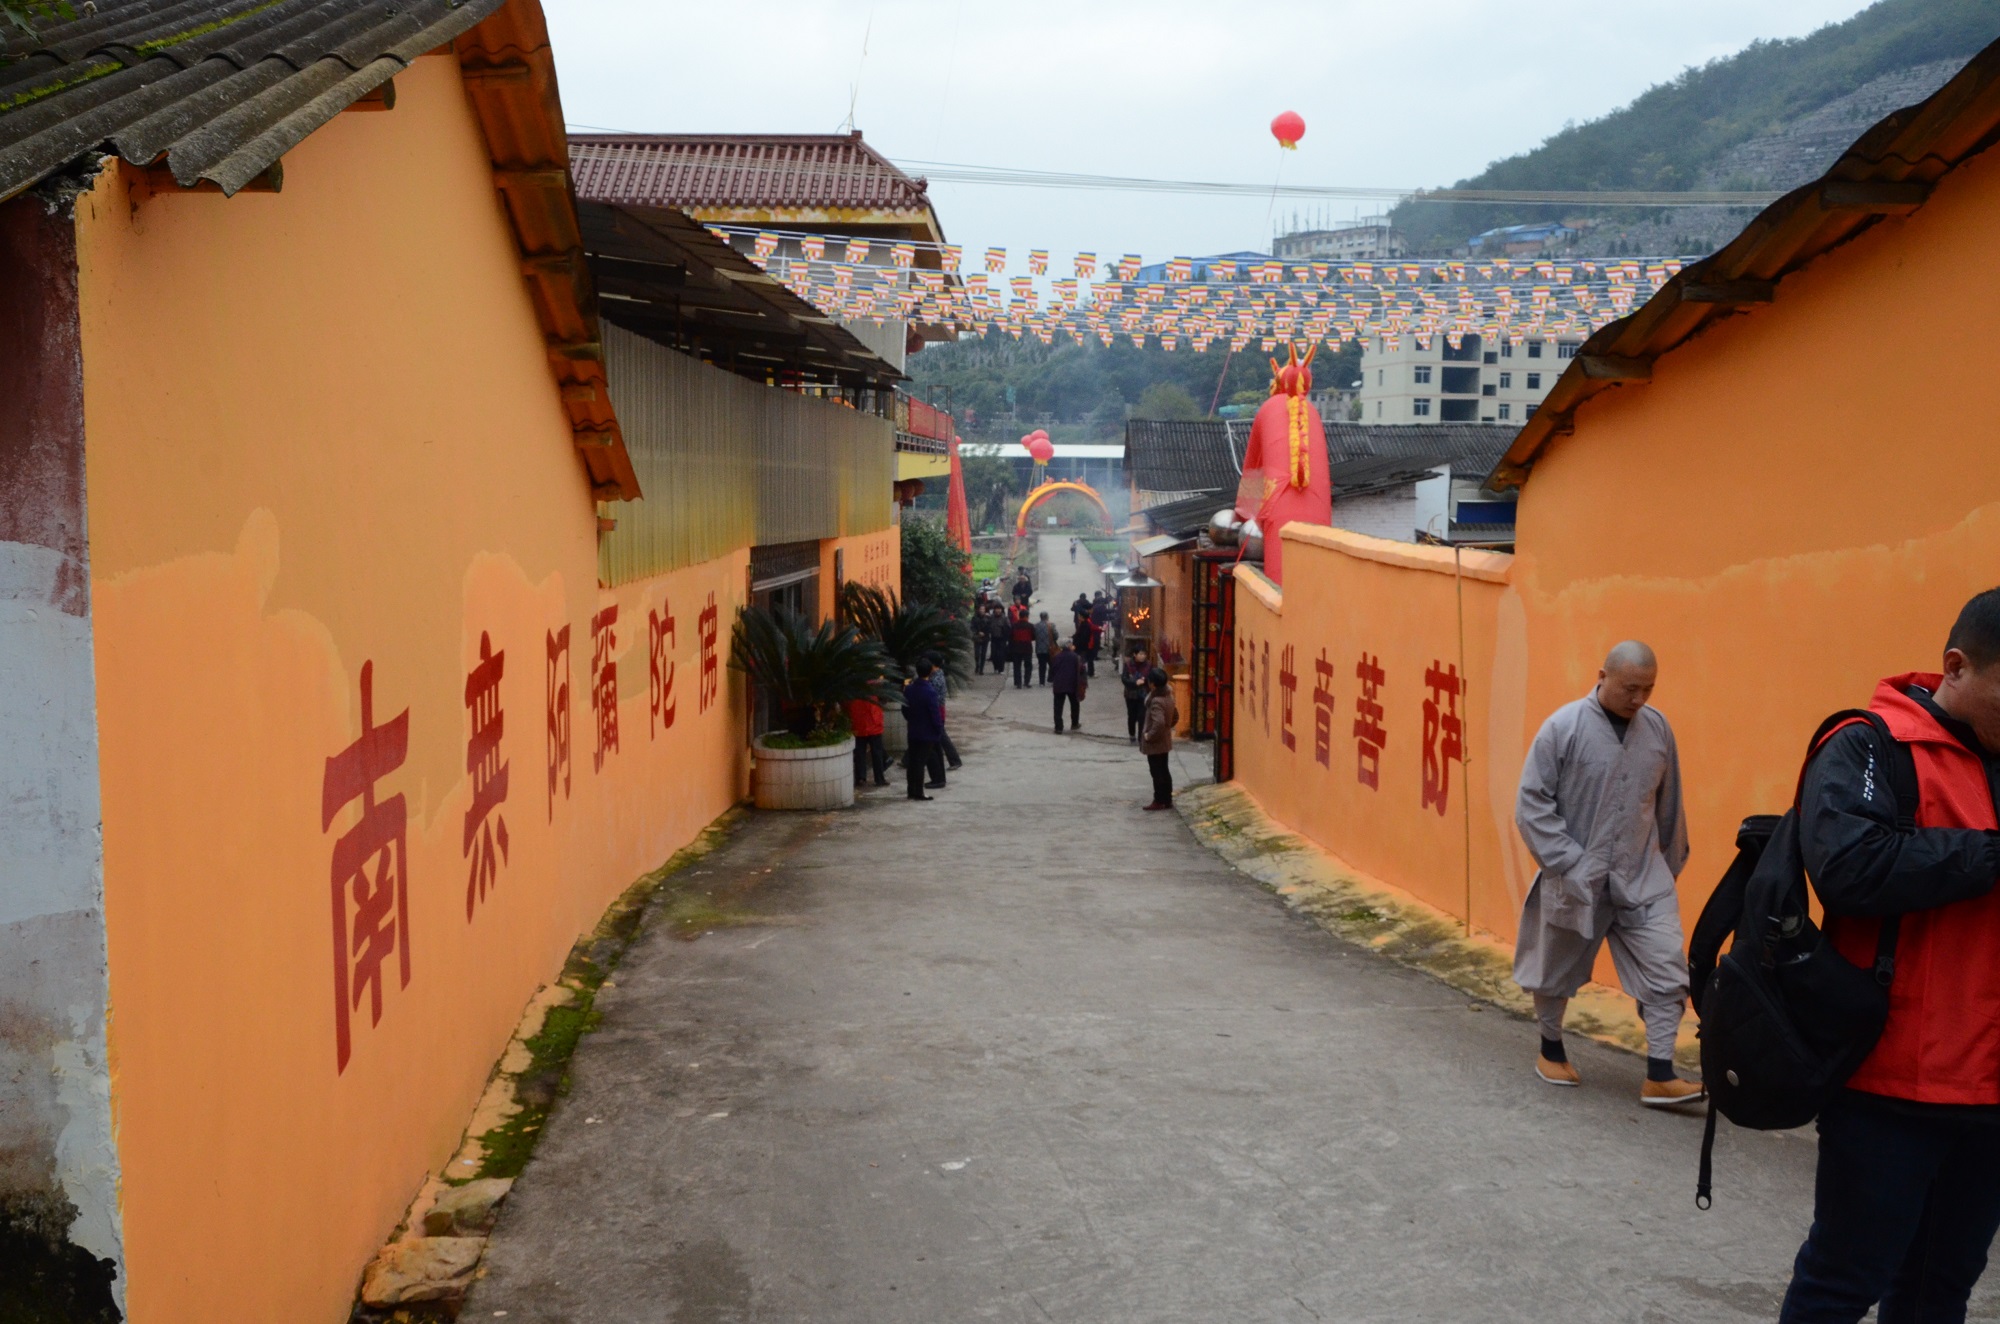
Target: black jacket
[1858, 862]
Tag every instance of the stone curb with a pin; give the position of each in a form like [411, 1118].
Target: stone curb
[1369, 913]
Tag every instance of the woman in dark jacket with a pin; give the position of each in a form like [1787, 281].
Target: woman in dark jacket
[1133, 676]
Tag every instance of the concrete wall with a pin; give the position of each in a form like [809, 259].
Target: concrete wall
[58, 1170]
[1772, 512]
[327, 460]
[1391, 515]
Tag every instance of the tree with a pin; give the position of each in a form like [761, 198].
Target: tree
[989, 481]
[1167, 401]
[934, 570]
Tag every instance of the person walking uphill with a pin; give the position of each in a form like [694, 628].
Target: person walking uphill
[1133, 677]
[926, 723]
[1066, 673]
[1908, 1194]
[1156, 739]
[1045, 642]
[1020, 646]
[1600, 810]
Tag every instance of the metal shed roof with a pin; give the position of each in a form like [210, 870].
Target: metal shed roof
[1890, 170]
[217, 92]
[1196, 455]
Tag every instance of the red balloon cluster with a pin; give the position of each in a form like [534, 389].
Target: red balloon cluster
[1288, 128]
[1037, 444]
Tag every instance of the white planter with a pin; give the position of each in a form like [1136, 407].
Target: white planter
[895, 731]
[821, 778]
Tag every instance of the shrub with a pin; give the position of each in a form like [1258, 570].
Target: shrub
[810, 675]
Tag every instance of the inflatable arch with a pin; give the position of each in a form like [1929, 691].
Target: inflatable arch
[1047, 490]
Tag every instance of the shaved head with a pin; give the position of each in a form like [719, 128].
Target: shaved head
[1630, 654]
[1626, 683]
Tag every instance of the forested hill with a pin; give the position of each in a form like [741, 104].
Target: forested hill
[1693, 131]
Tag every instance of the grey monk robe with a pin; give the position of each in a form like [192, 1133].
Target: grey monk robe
[1603, 817]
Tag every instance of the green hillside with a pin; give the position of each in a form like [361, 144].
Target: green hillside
[1675, 134]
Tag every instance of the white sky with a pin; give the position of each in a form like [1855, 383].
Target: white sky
[1412, 93]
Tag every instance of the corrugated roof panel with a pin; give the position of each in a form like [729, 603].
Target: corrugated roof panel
[697, 171]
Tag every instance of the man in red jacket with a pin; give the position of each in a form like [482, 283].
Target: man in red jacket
[865, 716]
[1908, 1194]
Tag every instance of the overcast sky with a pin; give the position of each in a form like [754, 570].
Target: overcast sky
[1393, 94]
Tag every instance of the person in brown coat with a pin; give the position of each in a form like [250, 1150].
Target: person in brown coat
[1156, 737]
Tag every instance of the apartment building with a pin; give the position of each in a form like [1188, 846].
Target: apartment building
[1479, 381]
[1367, 240]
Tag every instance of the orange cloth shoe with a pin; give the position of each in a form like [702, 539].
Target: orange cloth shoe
[1671, 1093]
[1556, 1073]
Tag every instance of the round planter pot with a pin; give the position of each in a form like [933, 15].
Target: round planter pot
[895, 731]
[821, 778]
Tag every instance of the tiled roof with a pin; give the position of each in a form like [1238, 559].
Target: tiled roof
[221, 88]
[1890, 170]
[1187, 517]
[1206, 455]
[1198, 455]
[1467, 447]
[708, 172]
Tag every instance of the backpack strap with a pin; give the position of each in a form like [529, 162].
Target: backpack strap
[1704, 1183]
[1908, 793]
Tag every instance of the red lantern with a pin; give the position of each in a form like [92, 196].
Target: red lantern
[1288, 128]
[1041, 448]
[1028, 441]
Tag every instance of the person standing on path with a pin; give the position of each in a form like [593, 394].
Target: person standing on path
[1908, 1194]
[1021, 646]
[926, 725]
[865, 716]
[1133, 676]
[1072, 551]
[982, 636]
[1067, 672]
[1023, 590]
[1156, 738]
[1045, 642]
[939, 682]
[1600, 810]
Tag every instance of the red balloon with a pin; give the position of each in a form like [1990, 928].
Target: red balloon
[1041, 448]
[1028, 441]
[1288, 128]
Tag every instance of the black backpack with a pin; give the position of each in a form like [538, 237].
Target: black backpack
[1785, 1018]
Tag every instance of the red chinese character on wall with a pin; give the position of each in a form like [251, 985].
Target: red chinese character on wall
[604, 683]
[660, 638]
[1288, 688]
[707, 625]
[371, 893]
[1264, 687]
[1246, 667]
[1444, 733]
[1369, 736]
[558, 677]
[488, 772]
[1323, 711]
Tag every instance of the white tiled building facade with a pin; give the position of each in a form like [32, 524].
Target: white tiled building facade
[1479, 382]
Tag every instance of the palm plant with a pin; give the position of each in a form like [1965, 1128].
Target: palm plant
[810, 675]
[908, 631]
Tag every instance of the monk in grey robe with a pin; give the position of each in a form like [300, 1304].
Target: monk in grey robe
[1600, 810]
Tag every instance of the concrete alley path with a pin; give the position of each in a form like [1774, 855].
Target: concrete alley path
[1027, 1053]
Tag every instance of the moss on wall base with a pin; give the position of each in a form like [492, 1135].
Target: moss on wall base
[44, 1278]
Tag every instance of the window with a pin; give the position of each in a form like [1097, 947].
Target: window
[1489, 389]
[1530, 413]
[1534, 381]
[1506, 381]
[1566, 350]
[1534, 349]
[1492, 356]
[1506, 411]
[1420, 407]
[1506, 351]
[1378, 376]
[1423, 373]
[1378, 409]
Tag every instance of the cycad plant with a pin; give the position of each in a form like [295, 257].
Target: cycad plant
[908, 631]
[809, 675]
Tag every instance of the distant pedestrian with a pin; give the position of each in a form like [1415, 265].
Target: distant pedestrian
[950, 751]
[1908, 1195]
[1023, 589]
[1133, 677]
[926, 727]
[1093, 641]
[1021, 646]
[1600, 809]
[865, 716]
[1072, 551]
[1070, 686]
[982, 637]
[1156, 737]
[1045, 642]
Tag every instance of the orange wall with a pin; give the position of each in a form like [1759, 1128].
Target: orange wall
[872, 558]
[321, 433]
[1796, 505]
[1349, 596]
